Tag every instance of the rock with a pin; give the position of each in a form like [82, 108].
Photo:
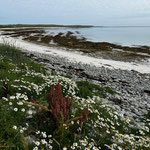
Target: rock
[133, 88]
[147, 91]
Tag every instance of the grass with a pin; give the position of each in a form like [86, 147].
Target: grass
[87, 89]
[28, 124]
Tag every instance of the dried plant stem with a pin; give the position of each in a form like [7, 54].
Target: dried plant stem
[24, 143]
[57, 143]
[37, 105]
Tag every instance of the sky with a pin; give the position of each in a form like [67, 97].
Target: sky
[81, 12]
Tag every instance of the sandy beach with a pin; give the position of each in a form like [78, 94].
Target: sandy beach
[142, 67]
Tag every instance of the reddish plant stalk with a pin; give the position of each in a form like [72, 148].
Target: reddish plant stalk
[60, 107]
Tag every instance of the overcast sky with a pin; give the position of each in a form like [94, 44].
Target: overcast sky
[93, 12]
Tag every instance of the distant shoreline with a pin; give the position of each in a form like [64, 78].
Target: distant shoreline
[44, 25]
[67, 26]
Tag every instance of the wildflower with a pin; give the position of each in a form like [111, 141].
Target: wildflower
[141, 132]
[72, 147]
[50, 141]
[15, 127]
[44, 134]
[75, 144]
[4, 98]
[49, 146]
[147, 129]
[78, 122]
[22, 96]
[23, 110]
[10, 103]
[107, 131]
[95, 148]
[35, 148]
[20, 103]
[43, 141]
[18, 94]
[116, 117]
[49, 136]
[28, 137]
[24, 129]
[12, 97]
[37, 143]
[38, 132]
[25, 98]
[119, 148]
[21, 131]
[30, 112]
[84, 142]
[15, 109]
[65, 148]
[27, 124]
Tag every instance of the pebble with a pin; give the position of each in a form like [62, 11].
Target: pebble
[133, 98]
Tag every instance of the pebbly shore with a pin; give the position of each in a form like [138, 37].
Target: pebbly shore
[133, 88]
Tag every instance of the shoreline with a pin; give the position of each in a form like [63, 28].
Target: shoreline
[77, 56]
[44, 26]
[75, 41]
[133, 94]
[133, 88]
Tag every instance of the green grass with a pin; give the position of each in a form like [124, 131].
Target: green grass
[87, 89]
[13, 60]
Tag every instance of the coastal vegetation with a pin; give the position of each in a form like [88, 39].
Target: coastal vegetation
[42, 110]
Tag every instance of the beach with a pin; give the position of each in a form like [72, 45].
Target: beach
[76, 56]
[130, 79]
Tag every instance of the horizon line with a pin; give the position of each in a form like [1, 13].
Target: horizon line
[82, 25]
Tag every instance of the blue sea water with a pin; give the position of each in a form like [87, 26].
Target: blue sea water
[119, 35]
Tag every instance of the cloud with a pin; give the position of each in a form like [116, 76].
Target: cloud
[96, 12]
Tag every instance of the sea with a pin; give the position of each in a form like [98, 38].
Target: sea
[126, 36]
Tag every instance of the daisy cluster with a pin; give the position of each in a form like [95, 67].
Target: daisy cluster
[103, 123]
[15, 104]
[47, 141]
[21, 129]
[43, 140]
[36, 82]
[130, 141]
[105, 127]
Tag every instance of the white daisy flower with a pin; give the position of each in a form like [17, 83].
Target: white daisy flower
[15, 109]
[15, 127]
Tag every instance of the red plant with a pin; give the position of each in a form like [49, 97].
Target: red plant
[84, 116]
[59, 105]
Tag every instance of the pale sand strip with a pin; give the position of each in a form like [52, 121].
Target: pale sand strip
[77, 57]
